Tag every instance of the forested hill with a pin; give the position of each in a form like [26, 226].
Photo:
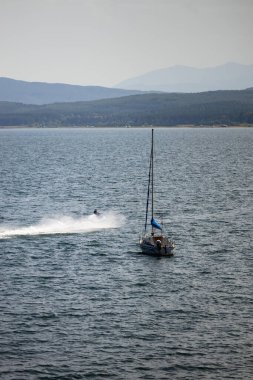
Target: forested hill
[206, 108]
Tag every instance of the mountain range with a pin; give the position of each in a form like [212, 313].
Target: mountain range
[230, 76]
[12, 90]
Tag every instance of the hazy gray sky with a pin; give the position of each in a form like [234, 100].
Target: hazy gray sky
[102, 42]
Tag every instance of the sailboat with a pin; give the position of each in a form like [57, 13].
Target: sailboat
[155, 242]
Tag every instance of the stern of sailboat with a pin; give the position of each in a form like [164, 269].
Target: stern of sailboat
[156, 245]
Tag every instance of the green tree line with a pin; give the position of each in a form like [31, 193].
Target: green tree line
[215, 107]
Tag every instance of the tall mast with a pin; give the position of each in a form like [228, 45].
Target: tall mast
[149, 176]
[152, 181]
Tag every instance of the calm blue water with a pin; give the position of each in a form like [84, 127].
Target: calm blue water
[78, 301]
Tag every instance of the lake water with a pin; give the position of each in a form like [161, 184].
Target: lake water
[79, 301]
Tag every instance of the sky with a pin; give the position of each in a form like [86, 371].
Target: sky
[102, 42]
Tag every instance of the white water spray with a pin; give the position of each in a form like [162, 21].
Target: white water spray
[65, 225]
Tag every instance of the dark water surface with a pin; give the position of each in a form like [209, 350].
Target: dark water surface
[78, 301]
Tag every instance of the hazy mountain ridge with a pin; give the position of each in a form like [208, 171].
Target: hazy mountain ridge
[13, 90]
[182, 79]
[230, 76]
[218, 107]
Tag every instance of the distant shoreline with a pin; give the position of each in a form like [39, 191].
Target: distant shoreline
[127, 127]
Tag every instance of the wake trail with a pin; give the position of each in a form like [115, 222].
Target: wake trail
[65, 225]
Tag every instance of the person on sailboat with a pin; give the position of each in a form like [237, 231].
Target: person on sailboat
[159, 245]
